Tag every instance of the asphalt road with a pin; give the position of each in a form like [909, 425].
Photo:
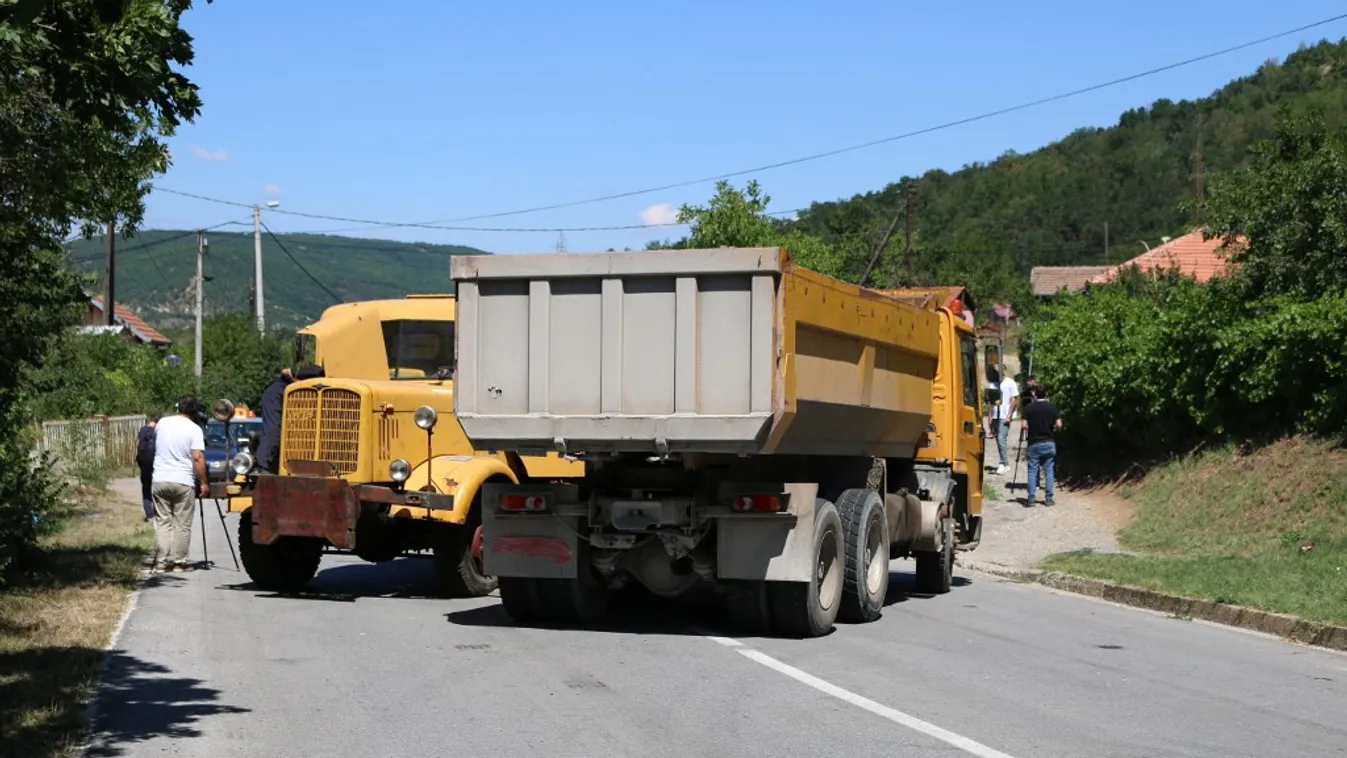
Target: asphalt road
[367, 665]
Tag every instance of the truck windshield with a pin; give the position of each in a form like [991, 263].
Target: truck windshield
[419, 349]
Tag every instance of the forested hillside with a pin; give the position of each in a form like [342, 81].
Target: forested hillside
[155, 270]
[1050, 207]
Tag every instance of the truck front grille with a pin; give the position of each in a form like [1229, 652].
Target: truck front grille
[323, 425]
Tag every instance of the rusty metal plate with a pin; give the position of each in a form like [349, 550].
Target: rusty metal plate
[297, 506]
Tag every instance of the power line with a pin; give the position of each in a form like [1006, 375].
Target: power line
[375, 224]
[335, 298]
[905, 135]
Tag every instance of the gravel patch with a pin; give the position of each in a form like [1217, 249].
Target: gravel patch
[1018, 536]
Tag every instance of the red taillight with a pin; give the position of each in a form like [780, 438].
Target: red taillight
[757, 503]
[528, 503]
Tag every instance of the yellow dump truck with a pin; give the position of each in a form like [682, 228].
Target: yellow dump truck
[372, 461]
[744, 421]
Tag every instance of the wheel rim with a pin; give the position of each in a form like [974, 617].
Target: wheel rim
[477, 553]
[874, 563]
[829, 571]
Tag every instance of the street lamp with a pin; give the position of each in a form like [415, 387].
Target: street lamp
[257, 254]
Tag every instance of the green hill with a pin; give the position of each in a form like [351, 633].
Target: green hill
[1050, 207]
[155, 270]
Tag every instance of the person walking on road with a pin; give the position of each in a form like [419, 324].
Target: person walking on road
[179, 475]
[1041, 420]
[145, 462]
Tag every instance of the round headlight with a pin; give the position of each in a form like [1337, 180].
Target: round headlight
[426, 417]
[399, 470]
[241, 464]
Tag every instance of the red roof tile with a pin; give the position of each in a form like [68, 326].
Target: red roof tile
[1193, 257]
[1045, 281]
[133, 322]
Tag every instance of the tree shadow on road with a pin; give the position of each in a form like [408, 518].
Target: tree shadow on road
[44, 705]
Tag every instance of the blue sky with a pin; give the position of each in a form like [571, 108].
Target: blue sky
[443, 109]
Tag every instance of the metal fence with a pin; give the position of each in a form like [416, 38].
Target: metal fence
[109, 440]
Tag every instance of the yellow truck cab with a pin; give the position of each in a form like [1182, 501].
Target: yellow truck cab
[372, 461]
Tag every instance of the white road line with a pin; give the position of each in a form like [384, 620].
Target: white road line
[959, 741]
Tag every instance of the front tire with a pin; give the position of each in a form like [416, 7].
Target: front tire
[809, 609]
[865, 530]
[286, 565]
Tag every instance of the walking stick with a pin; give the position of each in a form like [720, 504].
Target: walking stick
[201, 516]
[225, 527]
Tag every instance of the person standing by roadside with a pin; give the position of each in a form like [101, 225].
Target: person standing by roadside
[179, 474]
[1004, 414]
[145, 462]
[1041, 420]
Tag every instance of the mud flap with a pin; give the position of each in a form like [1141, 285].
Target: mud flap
[768, 546]
[542, 545]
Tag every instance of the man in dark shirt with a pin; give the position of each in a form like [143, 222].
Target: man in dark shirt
[268, 451]
[145, 462]
[1041, 422]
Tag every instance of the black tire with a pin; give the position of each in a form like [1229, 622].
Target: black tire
[747, 606]
[286, 565]
[865, 532]
[583, 600]
[519, 595]
[458, 570]
[935, 568]
[809, 609]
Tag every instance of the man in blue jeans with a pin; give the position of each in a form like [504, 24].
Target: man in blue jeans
[1041, 422]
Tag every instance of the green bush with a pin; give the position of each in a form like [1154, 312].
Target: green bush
[1155, 365]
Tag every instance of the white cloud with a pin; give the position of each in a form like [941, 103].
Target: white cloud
[217, 155]
[663, 213]
[272, 190]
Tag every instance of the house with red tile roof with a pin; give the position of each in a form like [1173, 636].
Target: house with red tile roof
[1190, 255]
[126, 321]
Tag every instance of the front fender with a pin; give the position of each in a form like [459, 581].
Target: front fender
[460, 476]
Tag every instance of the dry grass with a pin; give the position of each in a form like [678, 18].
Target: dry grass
[1266, 529]
[56, 617]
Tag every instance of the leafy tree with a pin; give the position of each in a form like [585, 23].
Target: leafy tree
[1291, 205]
[88, 94]
[737, 218]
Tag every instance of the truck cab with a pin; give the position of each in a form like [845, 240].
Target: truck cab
[372, 461]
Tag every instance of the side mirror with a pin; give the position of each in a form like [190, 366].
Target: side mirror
[222, 410]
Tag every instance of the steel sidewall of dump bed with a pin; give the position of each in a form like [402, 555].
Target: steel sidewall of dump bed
[730, 350]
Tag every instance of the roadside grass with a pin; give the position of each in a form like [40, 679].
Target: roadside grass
[56, 615]
[1267, 529]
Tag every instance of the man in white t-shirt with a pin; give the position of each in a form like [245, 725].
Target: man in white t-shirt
[179, 474]
[1002, 415]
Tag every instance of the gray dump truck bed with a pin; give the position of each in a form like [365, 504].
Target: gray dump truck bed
[720, 350]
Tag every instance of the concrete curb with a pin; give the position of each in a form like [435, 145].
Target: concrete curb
[1282, 625]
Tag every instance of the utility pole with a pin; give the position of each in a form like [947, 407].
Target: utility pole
[200, 297]
[561, 242]
[907, 249]
[109, 313]
[257, 274]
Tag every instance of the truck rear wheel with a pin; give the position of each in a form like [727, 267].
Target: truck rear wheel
[865, 532]
[809, 609]
[519, 595]
[286, 565]
[935, 568]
